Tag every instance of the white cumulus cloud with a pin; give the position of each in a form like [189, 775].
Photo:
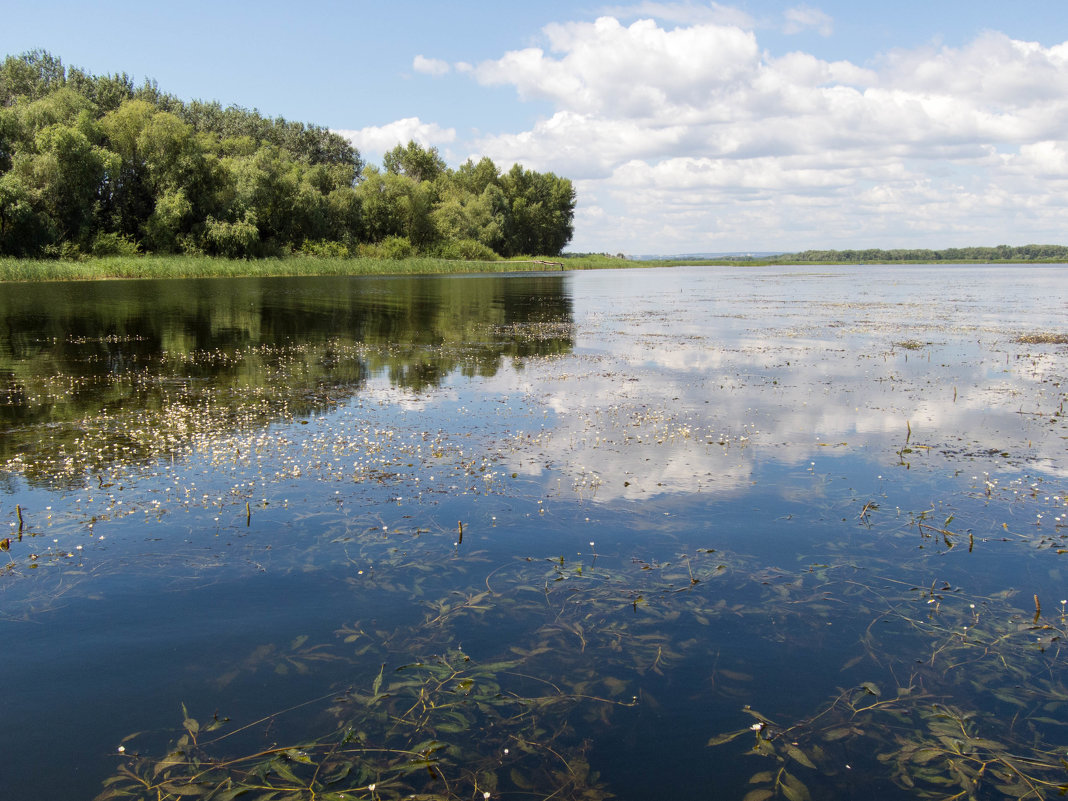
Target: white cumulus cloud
[683, 133]
[640, 70]
[380, 138]
[430, 66]
[707, 139]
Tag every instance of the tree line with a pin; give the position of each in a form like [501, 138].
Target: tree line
[94, 164]
[1050, 253]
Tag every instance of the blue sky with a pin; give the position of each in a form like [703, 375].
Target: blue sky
[686, 126]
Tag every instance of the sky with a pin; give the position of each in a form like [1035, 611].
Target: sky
[687, 127]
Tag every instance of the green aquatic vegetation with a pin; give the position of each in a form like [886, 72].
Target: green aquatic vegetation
[406, 729]
[296, 658]
[933, 750]
[409, 730]
[411, 733]
[934, 729]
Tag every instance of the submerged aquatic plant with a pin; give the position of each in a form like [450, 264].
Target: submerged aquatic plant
[934, 731]
[446, 728]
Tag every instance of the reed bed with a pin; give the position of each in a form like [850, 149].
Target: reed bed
[125, 267]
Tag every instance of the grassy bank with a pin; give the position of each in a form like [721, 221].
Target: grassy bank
[208, 267]
[112, 267]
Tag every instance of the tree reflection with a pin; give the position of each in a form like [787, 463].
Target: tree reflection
[134, 364]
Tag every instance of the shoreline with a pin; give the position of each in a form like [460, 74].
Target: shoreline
[14, 270]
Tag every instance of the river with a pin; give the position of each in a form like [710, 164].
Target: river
[734, 533]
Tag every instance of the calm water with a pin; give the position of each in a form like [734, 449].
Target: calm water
[560, 535]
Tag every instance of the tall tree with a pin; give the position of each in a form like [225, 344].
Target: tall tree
[415, 162]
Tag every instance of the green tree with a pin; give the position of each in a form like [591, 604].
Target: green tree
[542, 212]
[23, 230]
[169, 150]
[267, 186]
[169, 220]
[482, 218]
[10, 134]
[416, 205]
[30, 76]
[415, 162]
[130, 198]
[474, 178]
[63, 106]
[107, 92]
[234, 240]
[64, 177]
[379, 195]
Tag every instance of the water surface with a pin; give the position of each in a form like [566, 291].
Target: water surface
[738, 533]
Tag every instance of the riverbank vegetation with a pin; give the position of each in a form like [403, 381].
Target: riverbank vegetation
[92, 165]
[184, 265]
[968, 255]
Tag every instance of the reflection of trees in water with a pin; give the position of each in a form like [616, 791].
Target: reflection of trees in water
[122, 371]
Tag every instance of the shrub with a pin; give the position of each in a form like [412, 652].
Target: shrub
[392, 247]
[66, 251]
[324, 248]
[234, 240]
[463, 249]
[115, 245]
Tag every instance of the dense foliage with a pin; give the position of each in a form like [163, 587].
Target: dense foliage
[92, 164]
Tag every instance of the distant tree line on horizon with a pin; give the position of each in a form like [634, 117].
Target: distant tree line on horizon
[1051, 253]
[92, 164]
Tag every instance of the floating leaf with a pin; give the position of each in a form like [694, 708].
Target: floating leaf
[298, 756]
[838, 734]
[376, 685]
[734, 675]
[280, 768]
[184, 789]
[720, 739]
[798, 755]
[924, 755]
[519, 780]
[793, 788]
[173, 759]
[750, 711]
